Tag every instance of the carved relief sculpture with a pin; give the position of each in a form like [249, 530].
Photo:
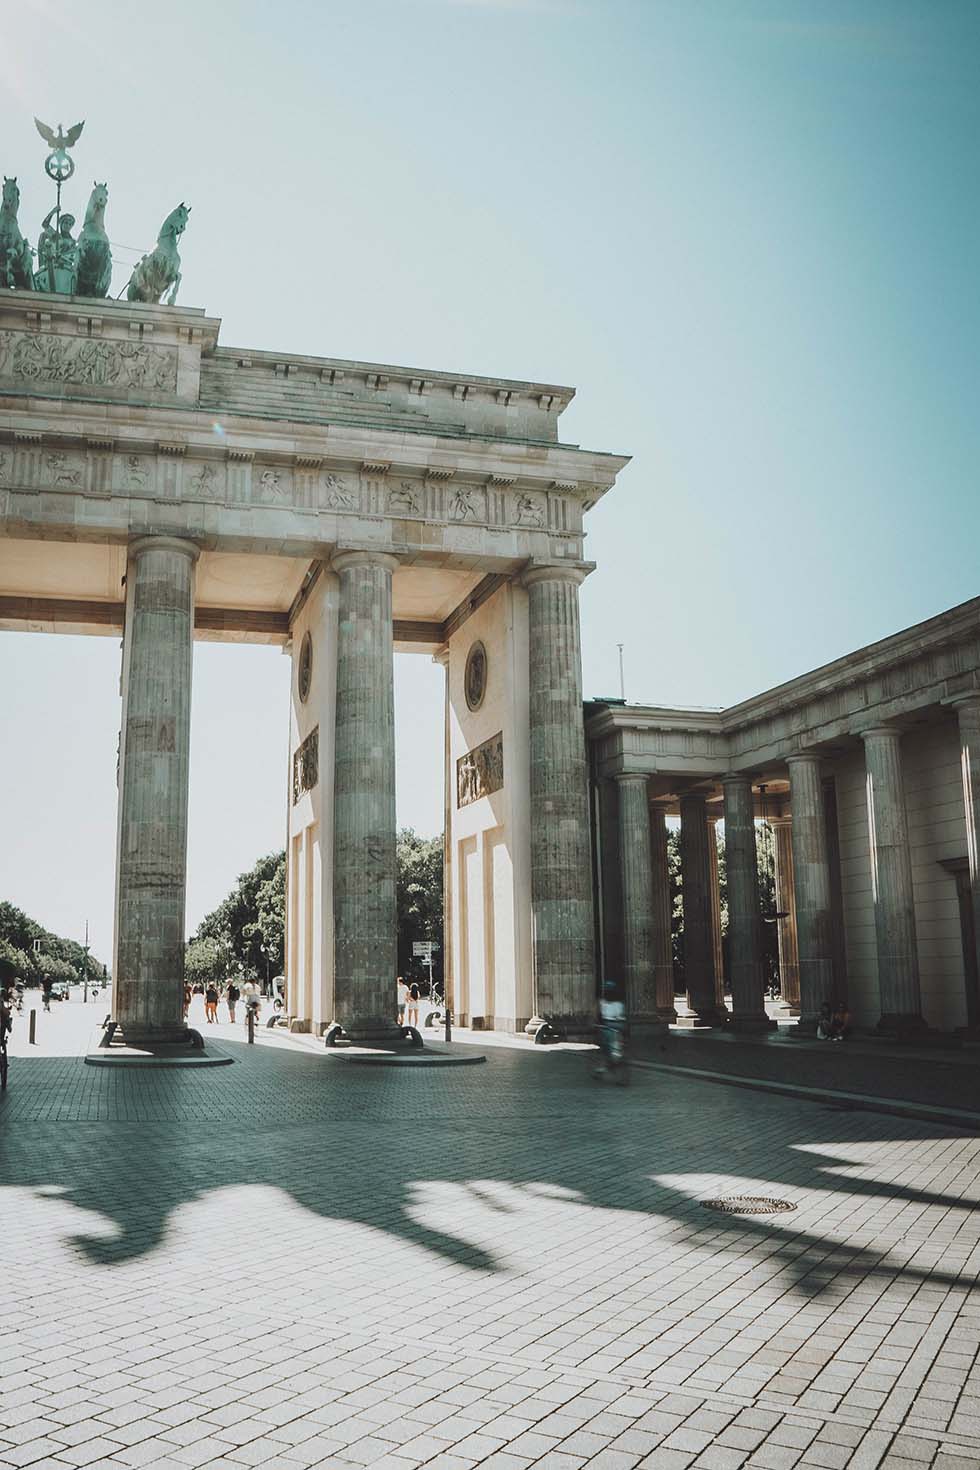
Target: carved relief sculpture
[530, 511]
[475, 676]
[339, 494]
[480, 772]
[462, 505]
[403, 497]
[306, 764]
[87, 360]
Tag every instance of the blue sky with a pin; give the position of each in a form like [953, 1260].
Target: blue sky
[746, 232]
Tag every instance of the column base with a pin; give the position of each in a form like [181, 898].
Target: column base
[752, 1023]
[148, 1038]
[897, 1027]
[385, 1035]
[544, 1029]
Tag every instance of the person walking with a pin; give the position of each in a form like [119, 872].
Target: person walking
[46, 992]
[412, 1005]
[211, 1003]
[402, 999]
[188, 996]
[232, 994]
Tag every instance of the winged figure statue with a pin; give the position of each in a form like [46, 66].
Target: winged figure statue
[60, 141]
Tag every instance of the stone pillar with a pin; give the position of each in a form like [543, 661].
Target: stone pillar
[662, 945]
[789, 960]
[717, 948]
[448, 981]
[636, 871]
[365, 925]
[968, 714]
[811, 885]
[699, 949]
[744, 919]
[148, 973]
[561, 868]
[891, 883]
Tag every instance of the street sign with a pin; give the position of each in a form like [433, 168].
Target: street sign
[424, 948]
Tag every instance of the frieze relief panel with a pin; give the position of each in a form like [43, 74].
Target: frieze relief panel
[480, 772]
[306, 764]
[87, 362]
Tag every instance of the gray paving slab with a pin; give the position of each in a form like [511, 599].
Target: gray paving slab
[283, 1262]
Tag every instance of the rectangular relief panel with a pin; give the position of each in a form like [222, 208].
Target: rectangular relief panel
[480, 772]
[306, 764]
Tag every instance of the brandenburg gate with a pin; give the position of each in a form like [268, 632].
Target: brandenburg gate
[158, 486]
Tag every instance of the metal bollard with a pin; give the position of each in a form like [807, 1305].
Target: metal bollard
[449, 1024]
[250, 1022]
[31, 1027]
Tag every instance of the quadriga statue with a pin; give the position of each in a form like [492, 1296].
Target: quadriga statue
[16, 256]
[94, 254]
[161, 270]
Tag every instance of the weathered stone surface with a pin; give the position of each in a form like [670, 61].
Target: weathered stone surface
[891, 881]
[561, 876]
[365, 947]
[811, 879]
[744, 947]
[699, 955]
[154, 763]
[638, 899]
[968, 715]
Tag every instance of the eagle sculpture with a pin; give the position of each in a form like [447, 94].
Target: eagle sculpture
[61, 140]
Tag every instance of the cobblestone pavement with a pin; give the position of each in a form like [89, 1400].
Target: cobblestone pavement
[292, 1262]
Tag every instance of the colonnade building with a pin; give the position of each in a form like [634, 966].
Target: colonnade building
[868, 770]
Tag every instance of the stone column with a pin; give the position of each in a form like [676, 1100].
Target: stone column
[448, 985]
[636, 872]
[717, 948]
[811, 886]
[561, 868]
[663, 949]
[365, 942]
[789, 960]
[744, 919]
[699, 956]
[891, 883]
[968, 714]
[148, 974]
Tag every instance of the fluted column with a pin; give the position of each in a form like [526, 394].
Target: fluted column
[717, 948]
[561, 872]
[448, 971]
[661, 940]
[636, 873]
[365, 942]
[151, 876]
[789, 960]
[699, 958]
[968, 714]
[811, 885]
[744, 938]
[891, 883]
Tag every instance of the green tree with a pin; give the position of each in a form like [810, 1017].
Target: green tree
[252, 916]
[206, 961]
[59, 958]
[419, 894]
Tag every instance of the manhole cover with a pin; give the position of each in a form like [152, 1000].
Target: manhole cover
[748, 1204]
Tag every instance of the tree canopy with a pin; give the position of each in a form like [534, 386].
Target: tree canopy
[55, 957]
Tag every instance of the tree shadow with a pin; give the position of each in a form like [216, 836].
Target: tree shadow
[352, 1146]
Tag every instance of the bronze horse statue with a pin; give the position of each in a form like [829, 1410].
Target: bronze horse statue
[161, 269]
[16, 256]
[94, 254]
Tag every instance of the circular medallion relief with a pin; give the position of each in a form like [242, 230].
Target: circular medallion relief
[475, 676]
[305, 675]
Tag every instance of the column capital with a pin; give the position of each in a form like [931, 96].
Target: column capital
[164, 543]
[736, 778]
[876, 732]
[343, 558]
[785, 819]
[441, 657]
[799, 756]
[575, 572]
[626, 778]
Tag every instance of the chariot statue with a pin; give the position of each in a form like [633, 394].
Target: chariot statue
[16, 256]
